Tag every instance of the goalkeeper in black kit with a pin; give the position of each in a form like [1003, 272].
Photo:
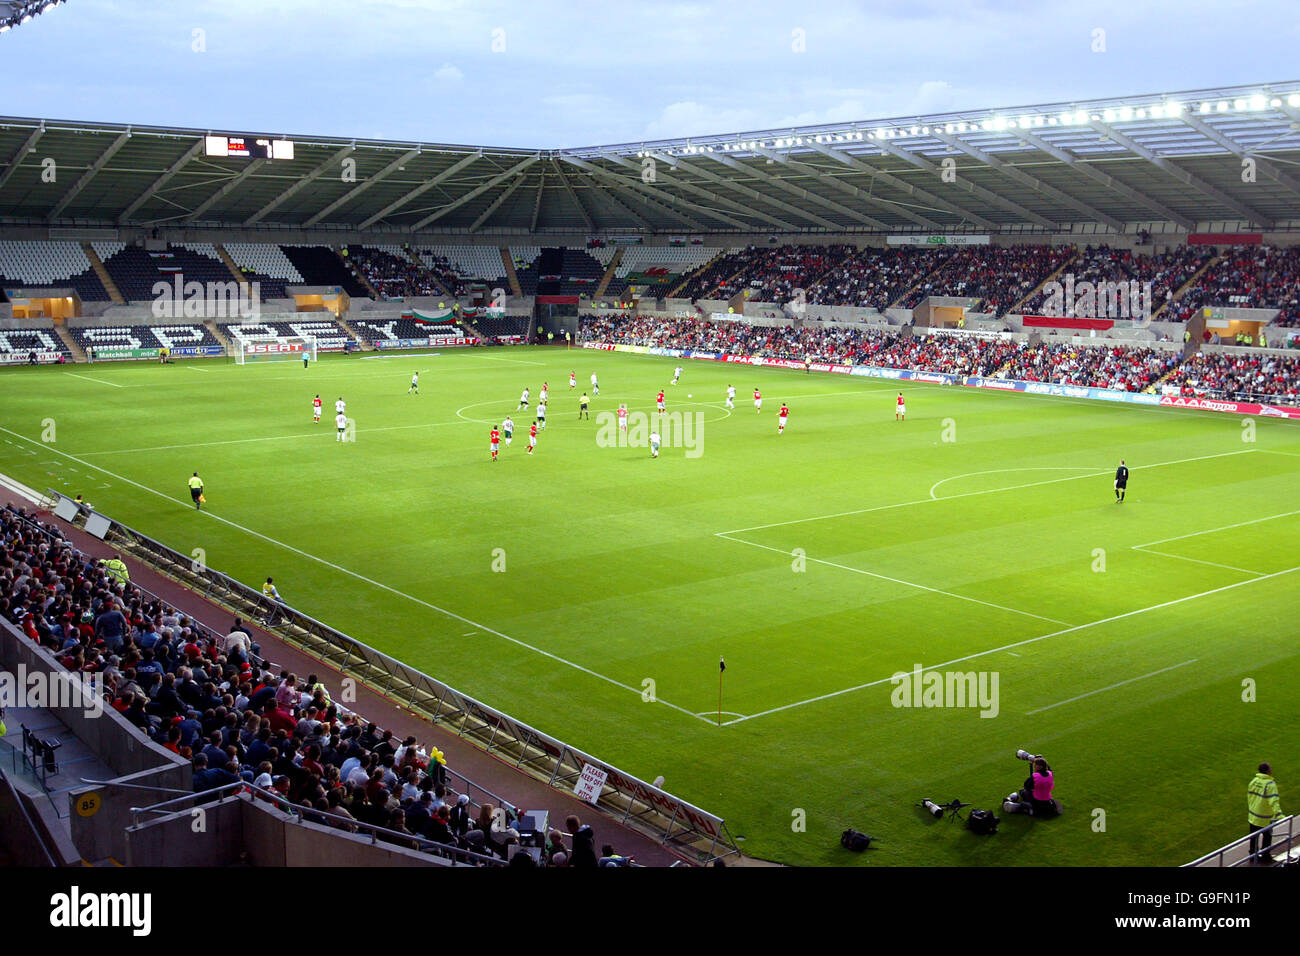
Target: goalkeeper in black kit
[1121, 481]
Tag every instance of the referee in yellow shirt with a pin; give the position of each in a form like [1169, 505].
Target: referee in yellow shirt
[196, 490]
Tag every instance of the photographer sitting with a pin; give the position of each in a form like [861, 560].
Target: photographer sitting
[1038, 790]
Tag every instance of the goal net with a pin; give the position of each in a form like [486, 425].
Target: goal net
[285, 348]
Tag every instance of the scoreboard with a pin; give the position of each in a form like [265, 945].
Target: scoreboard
[249, 147]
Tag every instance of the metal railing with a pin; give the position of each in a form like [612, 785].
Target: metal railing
[1277, 838]
[300, 814]
[675, 823]
[37, 832]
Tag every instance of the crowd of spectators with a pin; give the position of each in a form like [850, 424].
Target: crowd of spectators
[211, 699]
[1256, 277]
[997, 277]
[1240, 377]
[392, 276]
[1121, 367]
[877, 278]
[769, 274]
[1166, 271]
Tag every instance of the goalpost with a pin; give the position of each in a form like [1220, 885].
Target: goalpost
[287, 348]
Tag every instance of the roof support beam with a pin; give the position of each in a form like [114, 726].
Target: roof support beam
[573, 197]
[831, 181]
[925, 196]
[160, 182]
[420, 190]
[496, 203]
[23, 150]
[1182, 175]
[303, 182]
[537, 203]
[1278, 176]
[708, 194]
[1114, 185]
[651, 196]
[495, 181]
[988, 195]
[89, 174]
[800, 192]
[1024, 179]
[755, 194]
[361, 187]
[225, 190]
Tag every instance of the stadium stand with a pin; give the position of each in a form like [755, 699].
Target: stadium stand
[321, 266]
[1127, 369]
[210, 697]
[393, 275]
[143, 337]
[393, 329]
[502, 326]
[876, 278]
[1240, 377]
[465, 264]
[17, 344]
[1167, 271]
[657, 269]
[328, 334]
[1255, 277]
[265, 264]
[44, 265]
[996, 276]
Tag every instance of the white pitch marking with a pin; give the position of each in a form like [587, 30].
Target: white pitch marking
[910, 584]
[968, 494]
[361, 577]
[1183, 557]
[1100, 690]
[1000, 471]
[1226, 527]
[1031, 640]
[99, 380]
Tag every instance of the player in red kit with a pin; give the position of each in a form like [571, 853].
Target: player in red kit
[660, 400]
[495, 437]
[781, 417]
[622, 418]
[315, 409]
[758, 400]
[532, 437]
[900, 413]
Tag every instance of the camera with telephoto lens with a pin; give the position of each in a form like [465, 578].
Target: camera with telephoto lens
[1026, 755]
[932, 808]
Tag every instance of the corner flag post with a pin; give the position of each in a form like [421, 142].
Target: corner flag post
[722, 666]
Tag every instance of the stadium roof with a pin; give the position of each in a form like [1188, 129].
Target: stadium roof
[1225, 156]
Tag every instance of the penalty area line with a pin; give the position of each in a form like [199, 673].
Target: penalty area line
[1031, 640]
[1102, 690]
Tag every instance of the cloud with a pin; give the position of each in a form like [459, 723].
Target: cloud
[449, 73]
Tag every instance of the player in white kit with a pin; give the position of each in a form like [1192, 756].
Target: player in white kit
[341, 422]
[731, 396]
[677, 373]
[595, 389]
[523, 400]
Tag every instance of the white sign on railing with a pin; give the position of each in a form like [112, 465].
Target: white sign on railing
[590, 784]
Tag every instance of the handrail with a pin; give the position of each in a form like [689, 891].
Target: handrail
[133, 786]
[308, 814]
[36, 831]
[633, 802]
[1266, 838]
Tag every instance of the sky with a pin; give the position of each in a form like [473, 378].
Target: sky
[579, 73]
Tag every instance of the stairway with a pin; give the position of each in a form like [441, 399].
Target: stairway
[347, 327]
[415, 260]
[508, 263]
[1178, 293]
[233, 266]
[61, 330]
[211, 326]
[609, 273]
[105, 279]
[357, 274]
[693, 273]
[1015, 309]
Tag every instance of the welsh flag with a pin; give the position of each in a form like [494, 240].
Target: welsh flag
[440, 317]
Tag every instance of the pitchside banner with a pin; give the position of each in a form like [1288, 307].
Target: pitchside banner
[16, 358]
[449, 341]
[1000, 384]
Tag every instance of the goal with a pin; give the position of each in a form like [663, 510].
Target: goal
[285, 348]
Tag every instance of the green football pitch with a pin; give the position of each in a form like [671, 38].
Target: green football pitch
[1148, 649]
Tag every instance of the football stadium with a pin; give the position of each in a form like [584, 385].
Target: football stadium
[739, 499]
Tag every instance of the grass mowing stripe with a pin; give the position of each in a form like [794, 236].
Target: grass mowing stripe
[1032, 640]
[1226, 527]
[1102, 690]
[371, 581]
